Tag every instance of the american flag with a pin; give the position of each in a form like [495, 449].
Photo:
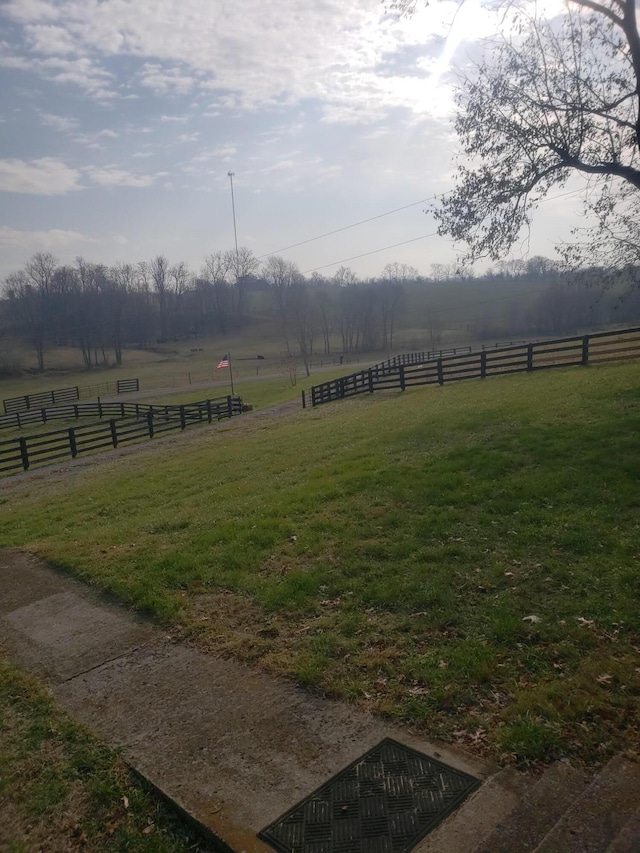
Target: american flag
[224, 362]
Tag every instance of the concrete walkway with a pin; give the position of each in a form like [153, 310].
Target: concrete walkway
[231, 746]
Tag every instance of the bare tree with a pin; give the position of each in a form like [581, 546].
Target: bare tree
[29, 299]
[551, 99]
[157, 273]
[217, 297]
[244, 264]
[281, 276]
[179, 279]
[391, 294]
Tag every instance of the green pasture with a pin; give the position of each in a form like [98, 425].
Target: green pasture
[259, 393]
[176, 364]
[464, 558]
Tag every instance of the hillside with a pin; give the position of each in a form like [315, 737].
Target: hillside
[463, 558]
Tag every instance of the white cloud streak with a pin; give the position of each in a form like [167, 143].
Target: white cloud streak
[49, 176]
[45, 176]
[35, 241]
[64, 124]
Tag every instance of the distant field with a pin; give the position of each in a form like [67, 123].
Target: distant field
[180, 363]
[464, 558]
[171, 365]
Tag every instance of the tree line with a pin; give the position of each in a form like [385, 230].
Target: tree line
[100, 310]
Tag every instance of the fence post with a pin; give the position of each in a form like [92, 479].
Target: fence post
[75, 411]
[43, 415]
[121, 410]
[229, 406]
[18, 419]
[483, 365]
[150, 422]
[402, 385]
[304, 400]
[24, 452]
[183, 420]
[440, 372]
[530, 357]
[313, 396]
[99, 408]
[585, 351]
[72, 443]
[209, 410]
[371, 381]
[114, 432]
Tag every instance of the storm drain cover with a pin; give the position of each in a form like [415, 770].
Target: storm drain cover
[384, 802]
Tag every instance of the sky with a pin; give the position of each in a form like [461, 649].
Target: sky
[121, 119]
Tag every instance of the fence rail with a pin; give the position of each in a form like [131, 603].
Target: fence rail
[413, 369]
[36, 401]
[148, 421]
[124, 386]
[99, 410]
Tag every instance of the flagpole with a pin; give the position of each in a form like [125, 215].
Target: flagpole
[231, 376]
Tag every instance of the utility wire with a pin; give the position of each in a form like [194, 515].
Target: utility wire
[404, 243]
[380, 216]
[375, 251]
[347, 227]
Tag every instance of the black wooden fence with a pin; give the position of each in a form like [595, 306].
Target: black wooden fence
[124, 386]
[76, 411]
[409, 370]
[146, 422]
[44, 398]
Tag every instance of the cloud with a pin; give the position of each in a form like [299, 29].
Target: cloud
[49, 39]
[37, 241]
[64, 124]
[83, 72]
[166, 80]
[344, 53]
[45, 176]
[113, 176]
[48, 176]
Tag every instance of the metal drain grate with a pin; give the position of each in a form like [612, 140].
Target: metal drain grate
[384, 802]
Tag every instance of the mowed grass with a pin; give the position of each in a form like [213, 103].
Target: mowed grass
[61, 790]
[464, 558]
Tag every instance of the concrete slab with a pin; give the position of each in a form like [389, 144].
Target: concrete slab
[22, 580]
[55, 627]
[231, 746]
[595, 819]
[464, 830]
[538, 812]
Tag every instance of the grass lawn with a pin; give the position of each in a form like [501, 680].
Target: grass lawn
[464, 558]
[61, 790]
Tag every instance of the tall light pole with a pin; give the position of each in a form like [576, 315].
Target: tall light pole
[233, 208]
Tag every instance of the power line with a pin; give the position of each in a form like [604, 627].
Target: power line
[380, 216]
[347, 227]
[375, 251]
[404, 243]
